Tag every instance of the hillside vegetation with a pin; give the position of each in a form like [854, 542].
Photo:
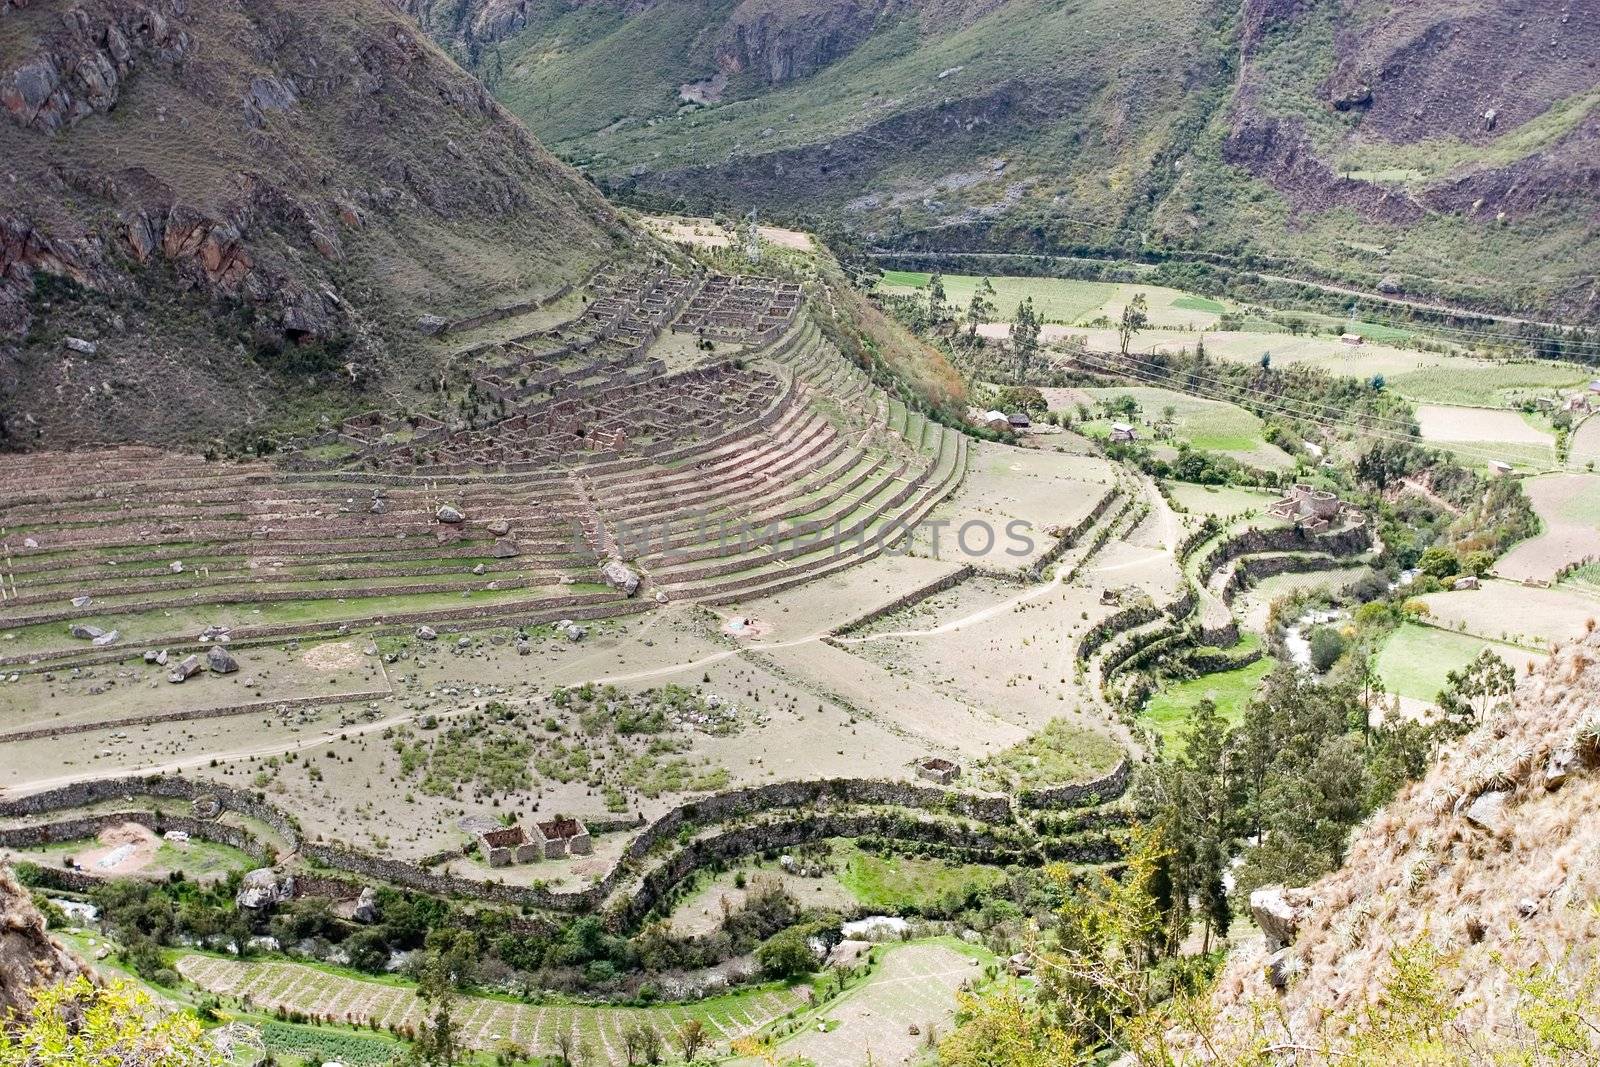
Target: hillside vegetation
[218, 215]
[1437, 152]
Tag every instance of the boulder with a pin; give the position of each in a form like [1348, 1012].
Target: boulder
[450, 515]
[498, 527]
[378, 505]
[661, 596]
[108, 638]
[80, 601]
[1488, 811]
[1464, 583]
[432, 325]
[1558, 768]
[505, 548]
[176, 566]
[427, 633]
[186, 669]
[619, 575]
[479, 569]
[263, 888]
[1279, 912]
[366, 910]
[84, 632]
[571, 630]
[79, 345]
[220, 661]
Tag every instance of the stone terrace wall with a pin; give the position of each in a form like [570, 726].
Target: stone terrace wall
[899, 603]
[226, 711]
[1102, 790]
[162, 786]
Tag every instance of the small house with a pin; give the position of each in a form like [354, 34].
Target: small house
[1122, 432]
[562, 837]
[1499, 468]
[1354, 340]
[936, 769]
[1019, 421]
[502, 848]
[997, 420]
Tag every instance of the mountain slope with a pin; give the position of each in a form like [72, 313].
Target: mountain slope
[244, 209]
[1443, 148]
[1488, 869]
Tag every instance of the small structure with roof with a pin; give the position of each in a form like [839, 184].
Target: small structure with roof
[1354, 340]
[1499, 468]
[1123, 432]
[1019, 420]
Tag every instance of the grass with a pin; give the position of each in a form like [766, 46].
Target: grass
[1474, 383]
[1065, 300]
[899, 885]
[1223, 501]
[1209, 425]
[1169, 710]
[1059, 754]
[1415, 660]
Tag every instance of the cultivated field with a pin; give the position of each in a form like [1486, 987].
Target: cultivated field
[1209, 425]
[484, 1023]
[1568, 505]
[1511, 611]
[1067, 301]
[914, 987]
[1487, 434]
[1414, 661]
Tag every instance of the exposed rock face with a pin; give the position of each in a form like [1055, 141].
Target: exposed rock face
[239, 204]
[264, 888]
[1279, 912]
[29, 957]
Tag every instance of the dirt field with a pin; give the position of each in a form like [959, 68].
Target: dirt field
[1485, 426]
[1584, 447]
[125, 849]
[914, 986]
[1569, 507]
[1510, 611]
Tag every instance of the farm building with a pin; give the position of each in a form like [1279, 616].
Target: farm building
[936, 769]
[1122, 431]
[1499, 468]
[562, 837]
[996, 420]
[1019, 421]
[1354, 340]
[502, 848]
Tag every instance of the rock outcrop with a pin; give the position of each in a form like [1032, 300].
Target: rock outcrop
[29, 957]
[187, 181]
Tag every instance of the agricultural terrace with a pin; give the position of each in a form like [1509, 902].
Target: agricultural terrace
[1529, 616]
[1485, 433]
[1169, 710]
[1568, 506]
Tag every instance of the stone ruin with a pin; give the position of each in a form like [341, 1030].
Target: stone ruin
[562, 836]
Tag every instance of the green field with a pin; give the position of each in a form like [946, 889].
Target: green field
[1059, 754]
[904, 885]
[1223, 501]
[1209, 425]
[1476, 383]
[1066, 300]
[1169, 710]
[1415, 660]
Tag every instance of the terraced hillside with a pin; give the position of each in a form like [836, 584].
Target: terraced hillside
[728, 478]
[1422, 154]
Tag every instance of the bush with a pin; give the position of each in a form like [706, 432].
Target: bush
[1327, 645]
[786, 954]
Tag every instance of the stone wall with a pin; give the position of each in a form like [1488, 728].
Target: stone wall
[1102, 790]
[161, 786]
[228, 710]
[900, 603]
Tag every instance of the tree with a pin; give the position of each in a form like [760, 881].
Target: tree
[437, 1043]
[76, 1024]
[1005, 1028]
[1135, 317]
[1266, 361]
[1327, 645]
[1439, 563]
[691, 1039]
[936, 297]
[1025, 339]
[1471, 692]
[786, 954]
[981, 308]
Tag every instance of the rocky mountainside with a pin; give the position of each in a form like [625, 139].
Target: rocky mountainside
[1488, 869]
[216, 215]
[1440, 147]
[29, 957]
